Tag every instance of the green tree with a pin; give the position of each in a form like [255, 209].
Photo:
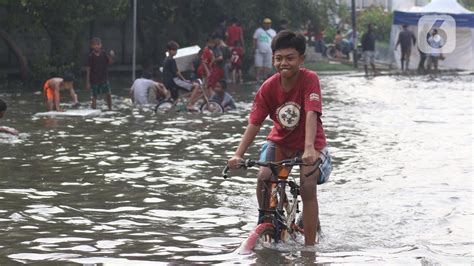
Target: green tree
[469, 4]
[63, 23]
[379, 18]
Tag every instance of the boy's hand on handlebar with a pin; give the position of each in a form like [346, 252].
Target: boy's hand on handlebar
[310, 156]
[235, 162]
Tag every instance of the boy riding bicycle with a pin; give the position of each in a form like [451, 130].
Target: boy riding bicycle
[292, 99]
[174, 80]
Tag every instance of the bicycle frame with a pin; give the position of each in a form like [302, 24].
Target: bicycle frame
[276, 201]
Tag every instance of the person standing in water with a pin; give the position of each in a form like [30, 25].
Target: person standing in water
[96, 72]
[405, 39]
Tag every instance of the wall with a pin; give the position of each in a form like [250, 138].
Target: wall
[36, 44]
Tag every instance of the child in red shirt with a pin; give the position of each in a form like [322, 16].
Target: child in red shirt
[234, 33]
[204, 69]
[292, 99]
[236, 61]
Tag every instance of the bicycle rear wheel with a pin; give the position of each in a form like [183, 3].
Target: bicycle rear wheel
[212, 107]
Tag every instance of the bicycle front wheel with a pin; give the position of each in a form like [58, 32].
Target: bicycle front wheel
[164, 106]
[263, 233]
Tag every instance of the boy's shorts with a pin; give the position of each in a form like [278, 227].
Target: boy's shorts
[48, 92]
[369, 57]
[183, 84]
[98, 89]
[273, 152]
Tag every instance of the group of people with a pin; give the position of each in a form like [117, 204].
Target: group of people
[173, 80]
[291, 97]
[210, 75]
[217, 64]
[406, 39]
[96, 80]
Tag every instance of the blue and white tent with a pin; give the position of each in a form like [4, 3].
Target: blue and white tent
[462, 57]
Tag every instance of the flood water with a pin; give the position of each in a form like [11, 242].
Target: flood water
[133, 187]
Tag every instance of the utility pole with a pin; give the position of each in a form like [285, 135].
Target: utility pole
[354, 36]
[134, 46]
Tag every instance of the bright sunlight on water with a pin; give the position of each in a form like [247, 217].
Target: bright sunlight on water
[133, 187]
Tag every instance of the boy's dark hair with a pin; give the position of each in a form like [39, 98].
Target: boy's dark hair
[216, 36]
[288, 39]
[68, 77]
[3, 106]
[223, 84]
[209, 38]
[172, 45]
[96, 40]
[147, 75]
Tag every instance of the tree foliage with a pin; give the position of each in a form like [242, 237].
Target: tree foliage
[63, 23]
[189, 22]
[381, 19]
[468, 4]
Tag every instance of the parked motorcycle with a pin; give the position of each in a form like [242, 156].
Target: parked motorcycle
[346, 50]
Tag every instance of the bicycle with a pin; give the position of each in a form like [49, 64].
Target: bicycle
[203, 104]
[276, 226]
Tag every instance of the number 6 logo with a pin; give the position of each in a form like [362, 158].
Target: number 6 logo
[444, 26]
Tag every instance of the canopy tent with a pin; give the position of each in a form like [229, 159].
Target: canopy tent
[462, 57]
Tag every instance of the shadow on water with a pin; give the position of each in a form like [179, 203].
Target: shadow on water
[133, 187]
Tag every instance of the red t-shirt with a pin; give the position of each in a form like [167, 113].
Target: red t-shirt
[233, 34]
[288, 110]
[206, 58]
[237, 54]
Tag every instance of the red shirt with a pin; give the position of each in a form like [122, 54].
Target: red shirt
[206, 58]
[239, 50]
[233, 34]
[288, 110]
[237, 54]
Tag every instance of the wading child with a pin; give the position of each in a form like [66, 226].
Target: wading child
[52, 88]
[222, 97]
[204, 69]
[292, 99]
[96, 72]
[236, 61]
[3, 110]
[141, 88]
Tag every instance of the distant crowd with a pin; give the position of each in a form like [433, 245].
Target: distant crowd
[217, 64]
[220, 63]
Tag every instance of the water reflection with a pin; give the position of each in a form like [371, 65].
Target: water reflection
[133, 186]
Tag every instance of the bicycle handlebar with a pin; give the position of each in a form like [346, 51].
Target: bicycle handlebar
[251, 163]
